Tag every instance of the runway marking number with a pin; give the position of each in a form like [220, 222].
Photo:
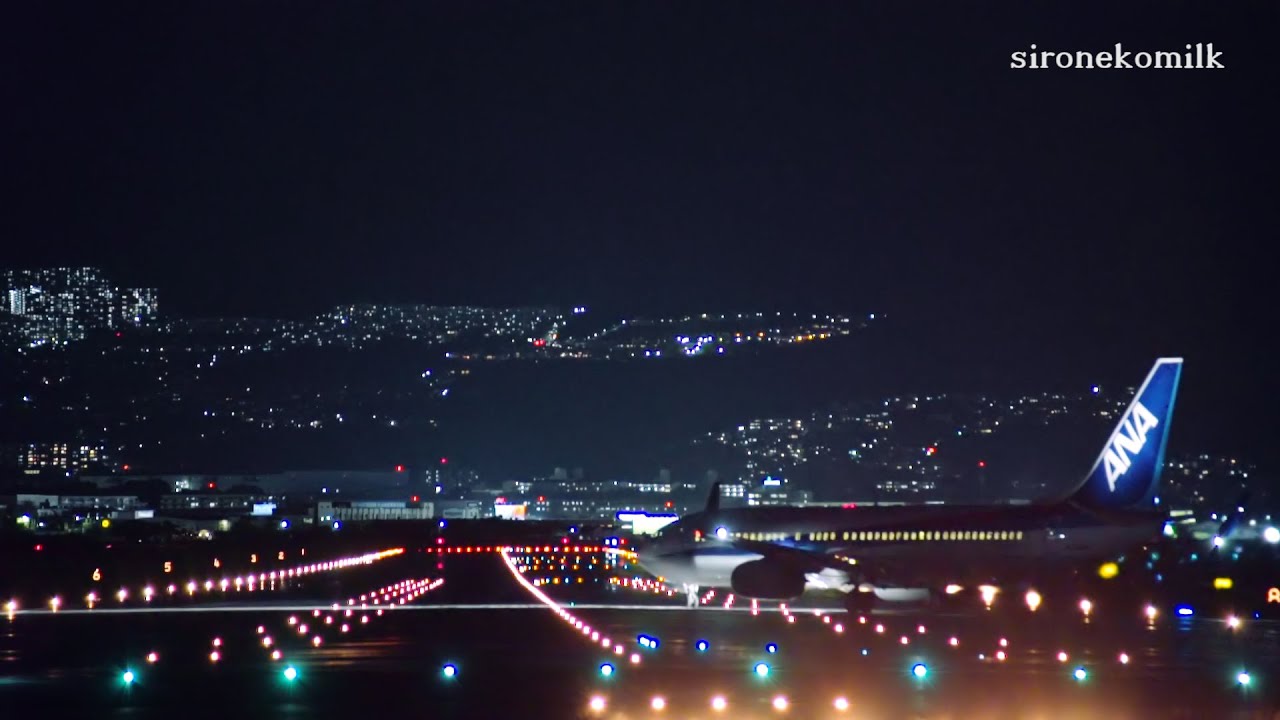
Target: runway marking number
[1273, 595]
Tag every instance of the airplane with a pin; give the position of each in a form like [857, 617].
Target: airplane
[928, 552]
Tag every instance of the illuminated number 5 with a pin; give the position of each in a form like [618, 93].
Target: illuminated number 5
[168, 567]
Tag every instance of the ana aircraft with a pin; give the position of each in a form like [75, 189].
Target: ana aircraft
[915, 553]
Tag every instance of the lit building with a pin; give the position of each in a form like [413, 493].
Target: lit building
[362, 510]
[138, 306]
[63, 304]
[34, 458]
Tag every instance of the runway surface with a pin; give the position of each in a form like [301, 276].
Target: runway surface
[545, 661]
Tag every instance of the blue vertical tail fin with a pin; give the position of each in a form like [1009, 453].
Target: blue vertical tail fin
[1127, 471]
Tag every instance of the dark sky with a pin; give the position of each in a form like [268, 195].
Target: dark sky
[277, 157]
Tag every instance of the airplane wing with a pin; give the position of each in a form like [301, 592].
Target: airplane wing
[809, 561]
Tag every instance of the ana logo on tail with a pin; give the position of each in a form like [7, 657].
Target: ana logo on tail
[1127, 441]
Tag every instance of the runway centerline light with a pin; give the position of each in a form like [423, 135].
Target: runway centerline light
[920, 670]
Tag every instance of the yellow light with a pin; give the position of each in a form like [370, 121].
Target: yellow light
[1223, 583]
[1108, 570]
[105, 523]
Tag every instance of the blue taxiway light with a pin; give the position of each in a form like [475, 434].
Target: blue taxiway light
[702, 645]
[606, 670]
[919, 670]
[1185, 611]
[771, 648]
[449, 670]
[1080, 673]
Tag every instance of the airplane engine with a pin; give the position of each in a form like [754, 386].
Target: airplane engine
[902, 594]
[765, 580]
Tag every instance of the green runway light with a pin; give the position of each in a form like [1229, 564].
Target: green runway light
[449, 670]
[920, 670]
[1080, 673]
[1244, 679]
[762, 669]
[606, 670]
[128, 677]
[290, 673]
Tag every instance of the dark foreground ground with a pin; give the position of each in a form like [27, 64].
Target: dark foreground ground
[528, 662]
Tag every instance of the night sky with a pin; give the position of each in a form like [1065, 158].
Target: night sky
[275, 158]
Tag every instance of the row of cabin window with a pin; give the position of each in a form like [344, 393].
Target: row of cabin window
[896, 535]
